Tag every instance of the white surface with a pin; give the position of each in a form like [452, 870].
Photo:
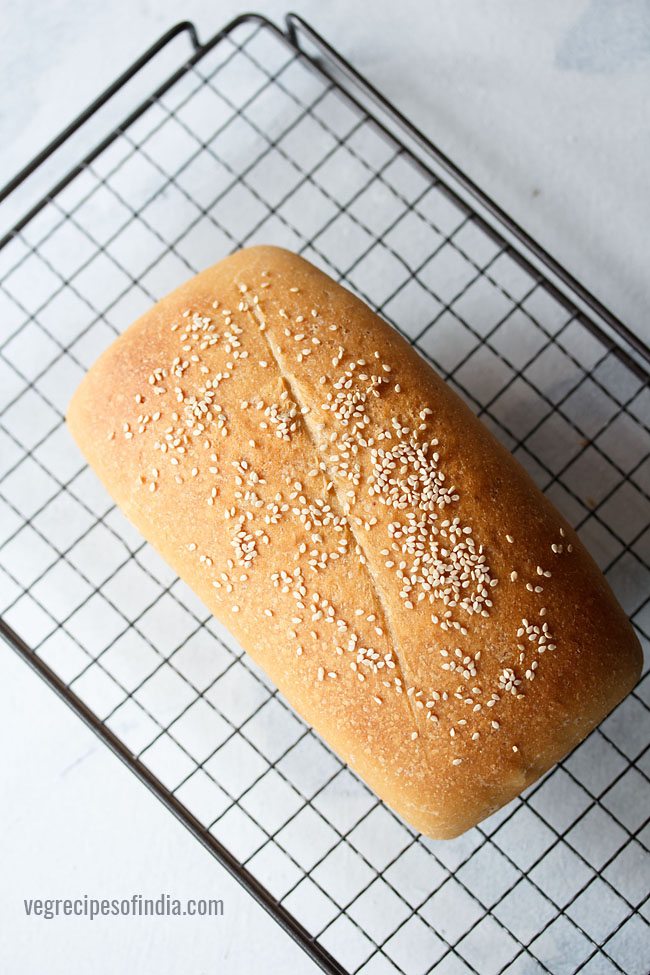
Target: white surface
[545, 106]
[75, 821]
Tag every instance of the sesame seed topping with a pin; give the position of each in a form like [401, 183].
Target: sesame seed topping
[364, 457]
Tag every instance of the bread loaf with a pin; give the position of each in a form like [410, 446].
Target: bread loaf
[364, 537]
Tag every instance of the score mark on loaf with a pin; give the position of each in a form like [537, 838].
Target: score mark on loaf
[364, 537]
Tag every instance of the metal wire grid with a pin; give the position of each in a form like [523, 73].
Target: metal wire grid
[253, 144]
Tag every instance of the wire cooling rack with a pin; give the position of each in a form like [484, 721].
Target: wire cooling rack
[266, 136]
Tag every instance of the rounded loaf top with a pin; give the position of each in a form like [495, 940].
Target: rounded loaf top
[362, 534]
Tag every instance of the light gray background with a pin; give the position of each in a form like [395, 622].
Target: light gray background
[547, 107]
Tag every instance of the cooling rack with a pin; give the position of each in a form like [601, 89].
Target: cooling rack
[268, 135]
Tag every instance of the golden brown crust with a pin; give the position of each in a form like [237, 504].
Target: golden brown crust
[279, 451]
